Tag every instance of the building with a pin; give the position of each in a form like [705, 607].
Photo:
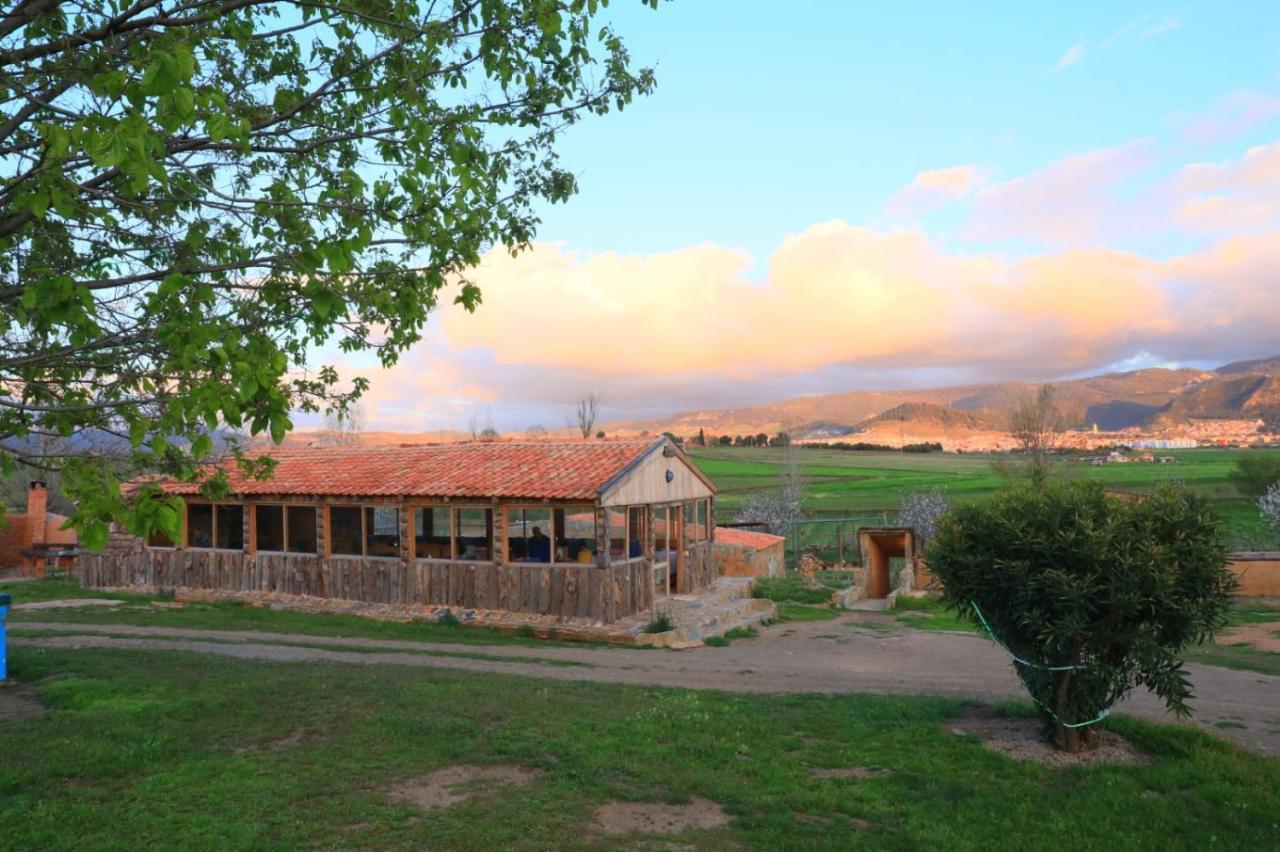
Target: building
[593, 529]
[36, 538]
[747, 553]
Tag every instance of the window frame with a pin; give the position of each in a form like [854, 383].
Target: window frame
[364, 530]
[453, 532]
[551, 532]
[284, 528]
[591, 542]
[213, 526]
[454, 509]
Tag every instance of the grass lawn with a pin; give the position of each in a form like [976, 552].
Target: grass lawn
[870, 485]
[235, 616]
[143, 750]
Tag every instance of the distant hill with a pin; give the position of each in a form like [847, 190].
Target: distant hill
[1155, 397]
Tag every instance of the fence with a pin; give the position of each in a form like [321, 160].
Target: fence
[832, 539]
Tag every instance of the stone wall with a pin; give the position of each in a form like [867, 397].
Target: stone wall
[1257, 573]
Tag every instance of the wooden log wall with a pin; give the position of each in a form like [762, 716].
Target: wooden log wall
[699, 567]
[585, 591]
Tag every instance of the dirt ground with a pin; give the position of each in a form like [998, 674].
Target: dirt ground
[855, 653]
[18, 701]
[659, 817]
[453, 784]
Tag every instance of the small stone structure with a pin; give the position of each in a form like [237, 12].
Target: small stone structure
[1258, 574]
[746, 553]
[878, 546]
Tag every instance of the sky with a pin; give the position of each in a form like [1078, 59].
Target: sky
[832, 196]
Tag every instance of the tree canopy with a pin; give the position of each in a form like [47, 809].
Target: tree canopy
[1090, 594]
[197, 194]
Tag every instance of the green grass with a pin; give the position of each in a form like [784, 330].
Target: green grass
[172, 750]
[235, 616]
[790, 611]
[792, 588]
[871, 485]
[727, 638]
[939, 616]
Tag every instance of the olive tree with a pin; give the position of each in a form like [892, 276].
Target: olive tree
[1090, 595]
[196, 195]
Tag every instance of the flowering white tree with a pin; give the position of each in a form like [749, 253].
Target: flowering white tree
[921, 511]
[1269, 506]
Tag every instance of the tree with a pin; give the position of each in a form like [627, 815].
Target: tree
[782, 439]
[196, 195]
[724, 440]
[762, 440]
[600, 434]
[1036, 424]
[1255, 473]
[585, 413]
[1091, 595]
[702, 438]
[780, 507]
[343, 426]
[536, 431]
[1269, 509]
[922, 510]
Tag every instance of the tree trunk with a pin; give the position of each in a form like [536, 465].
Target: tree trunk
[1070, 740]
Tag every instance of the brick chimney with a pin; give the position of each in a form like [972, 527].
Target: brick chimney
[37, 505]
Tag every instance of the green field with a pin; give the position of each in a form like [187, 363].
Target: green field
[870, 485]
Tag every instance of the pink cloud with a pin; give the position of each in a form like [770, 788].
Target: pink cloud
[1232, 116]
[1066, 203]
[933, 189]
[1236, 196]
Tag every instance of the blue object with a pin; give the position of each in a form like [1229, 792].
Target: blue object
[5, 600]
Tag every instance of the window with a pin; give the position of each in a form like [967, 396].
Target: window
[661, 518]
[301, 529]
[474, 531]
[228, 527]
[364, 530]
[382, 531]
[637, 540]
[285, 529]
[269, 523]
[527, 535]
[575, 534]
[199, 525]
[211, 525]
[704, 520]
[432, 532]
[346, 537]
[616, 521]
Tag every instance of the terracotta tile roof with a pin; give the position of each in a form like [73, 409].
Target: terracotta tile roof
[746, 538]
[554, 470]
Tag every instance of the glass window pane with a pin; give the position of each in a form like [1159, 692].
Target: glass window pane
[675, 528]
[660, 532]
[382, 530]
[527, 535]
[344, 531]
[637, 541]
[475, 534]
[199, 525]
[616, 519]
[269, 521]
[431, 535]
[575, 534]
[704, 532]
[302, 529]
[229, 534]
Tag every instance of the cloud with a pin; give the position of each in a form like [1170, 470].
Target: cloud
[839, 305]
[1074, 55]
[1140, 29]
[1237, 196]
[1230, 117]
[930, 190]
[1069, 202]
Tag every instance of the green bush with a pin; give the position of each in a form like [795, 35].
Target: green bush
[1255, 473]
[661, 623]
[1091, 595]
[790, 589]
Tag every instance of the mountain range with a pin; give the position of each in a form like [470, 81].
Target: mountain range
[1157, 399]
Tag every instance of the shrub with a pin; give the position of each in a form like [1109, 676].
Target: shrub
[1091, 595]
[661, 624]
[1255, 473]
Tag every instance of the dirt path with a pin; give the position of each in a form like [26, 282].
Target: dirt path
[844, 656]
